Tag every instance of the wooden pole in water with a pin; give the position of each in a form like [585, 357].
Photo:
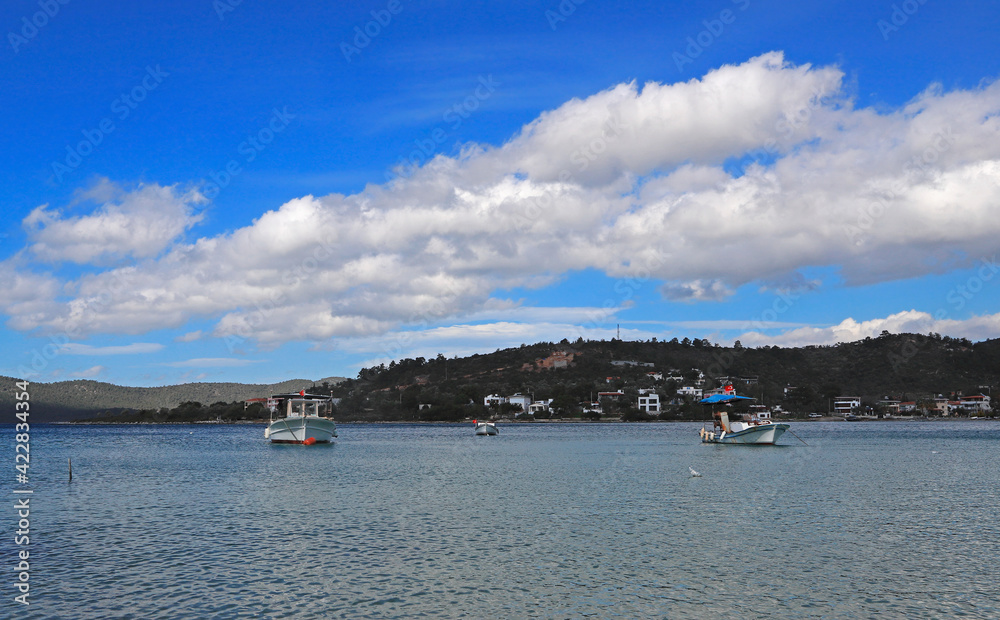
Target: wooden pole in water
[71, 470]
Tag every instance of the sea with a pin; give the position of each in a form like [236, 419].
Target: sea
[545, 520]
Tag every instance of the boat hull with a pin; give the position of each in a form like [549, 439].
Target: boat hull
[487, 429]
[761, 435]
[297, 429]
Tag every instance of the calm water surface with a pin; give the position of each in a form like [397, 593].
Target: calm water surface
[545, 521]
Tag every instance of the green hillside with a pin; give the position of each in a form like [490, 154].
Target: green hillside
[902, 366]
[66, 400]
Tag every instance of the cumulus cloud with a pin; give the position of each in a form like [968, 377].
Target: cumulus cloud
[139, 223]
[466, 339]
[635, 182]
[213, 362]
[136, 348]
[850, 330]
[88, 373]
[696, 290]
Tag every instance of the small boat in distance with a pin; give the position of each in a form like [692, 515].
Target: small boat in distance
[486, 428]
[751, 429]
[299, 418]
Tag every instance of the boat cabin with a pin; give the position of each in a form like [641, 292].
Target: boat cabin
[299, 405]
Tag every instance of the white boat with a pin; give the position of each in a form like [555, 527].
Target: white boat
[751, 429]
[486, 428]
[298, 418]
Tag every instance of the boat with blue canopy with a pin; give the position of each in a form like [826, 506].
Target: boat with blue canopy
[750, 429]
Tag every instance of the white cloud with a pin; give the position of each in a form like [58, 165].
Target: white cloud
[696, 290]
[189, 336]
[213, 362]
[850, 330]
[630, 182]
[88, 373]
[137, 348]
[464, 339]
[140, 223]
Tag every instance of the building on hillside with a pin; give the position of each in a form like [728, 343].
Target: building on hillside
[610, 395]
[694, 392]
[632, 363]
[655, 376]
[649, 401]
[940, 405]
[591, 407]
[976, 404]
[908, 406]
[846, 405]
[494, 400]
[540, 406]
[521, 400]
[889, 406]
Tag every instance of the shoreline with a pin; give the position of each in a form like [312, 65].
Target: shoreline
[520, 422]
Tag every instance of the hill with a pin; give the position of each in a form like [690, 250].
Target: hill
[903, 366]
[67, 400]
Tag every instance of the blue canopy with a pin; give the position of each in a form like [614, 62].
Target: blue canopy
[722, 398]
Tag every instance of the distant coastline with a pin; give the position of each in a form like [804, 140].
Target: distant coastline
[263, 422]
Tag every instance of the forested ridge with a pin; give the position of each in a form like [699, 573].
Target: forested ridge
[804, 379]
[66, 400]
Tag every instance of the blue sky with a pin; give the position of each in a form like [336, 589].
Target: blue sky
[221, 191]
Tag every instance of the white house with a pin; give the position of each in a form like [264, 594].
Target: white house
[977, 403]
[521, 400]
[889, 405]
[540, 406]
[649, 401]
[610, 395]
[494, 400]
[846, 405]
[762, 412]
[690, 391]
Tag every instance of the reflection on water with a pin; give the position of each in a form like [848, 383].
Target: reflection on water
[546, 521]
